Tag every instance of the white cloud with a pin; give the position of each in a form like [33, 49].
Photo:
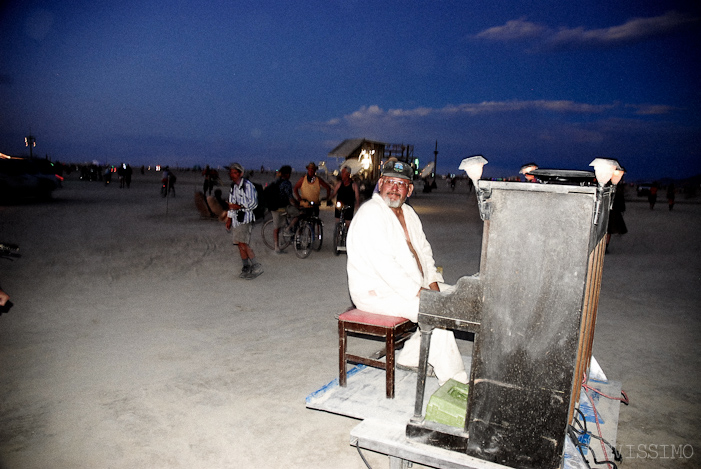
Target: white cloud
[651, 109]
[633, 30]
[486, 122]
[513, 30]
[374, 113]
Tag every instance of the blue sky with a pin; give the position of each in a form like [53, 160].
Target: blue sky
[272, 82]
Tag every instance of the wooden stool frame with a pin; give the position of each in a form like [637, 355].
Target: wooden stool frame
[394, 329]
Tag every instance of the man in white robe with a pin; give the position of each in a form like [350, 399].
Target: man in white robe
[390, 261]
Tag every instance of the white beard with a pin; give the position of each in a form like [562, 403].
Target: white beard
[393, 203]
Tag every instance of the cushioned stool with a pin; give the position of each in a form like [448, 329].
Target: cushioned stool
[394, 329]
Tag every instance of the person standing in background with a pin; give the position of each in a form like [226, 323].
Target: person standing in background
[671, 195]
[242, 200]
[308, 189]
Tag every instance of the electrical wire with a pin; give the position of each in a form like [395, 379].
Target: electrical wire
[623, 399]
[573, 432]
[361, 455]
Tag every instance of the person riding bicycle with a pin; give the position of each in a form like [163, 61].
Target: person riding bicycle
[167, 182]
[308, 190]
[346, 191]
[288, 205]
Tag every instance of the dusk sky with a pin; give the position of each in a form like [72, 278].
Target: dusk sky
[266, 82]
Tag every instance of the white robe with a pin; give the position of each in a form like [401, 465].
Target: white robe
[384, 278]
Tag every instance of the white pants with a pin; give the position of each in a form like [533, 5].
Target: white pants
[443, 355]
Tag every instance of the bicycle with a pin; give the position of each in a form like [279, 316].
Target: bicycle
[268, 235]
[309, 234]
[340, 230]
[168, 186]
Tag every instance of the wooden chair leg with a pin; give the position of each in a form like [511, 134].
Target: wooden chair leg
[342, 344]
[389, 363]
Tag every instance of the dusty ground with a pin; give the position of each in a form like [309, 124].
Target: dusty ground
[133, 343]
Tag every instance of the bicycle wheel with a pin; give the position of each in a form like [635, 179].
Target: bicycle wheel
[267, 233]
[337, 238]
[283, 240]
[318, 234]
[303, 241]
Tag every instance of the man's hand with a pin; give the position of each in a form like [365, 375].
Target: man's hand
[433, 286]
[228, 223]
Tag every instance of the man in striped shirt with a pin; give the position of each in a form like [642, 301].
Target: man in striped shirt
[243, 198]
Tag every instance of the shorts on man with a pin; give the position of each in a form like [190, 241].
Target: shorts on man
[242, 233]
[279, 215]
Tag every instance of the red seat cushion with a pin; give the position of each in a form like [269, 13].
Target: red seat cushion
[363, 317]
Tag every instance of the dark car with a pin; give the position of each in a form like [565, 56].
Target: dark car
[22, 178]
[644, 189]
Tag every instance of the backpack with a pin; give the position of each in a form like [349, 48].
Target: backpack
[271, 195]
[259, 211]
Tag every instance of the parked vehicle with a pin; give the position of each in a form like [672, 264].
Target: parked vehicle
[643, 189]
[27, 178]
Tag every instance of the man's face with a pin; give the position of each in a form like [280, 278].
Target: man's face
[235, 175]
[394, 191]
[311, 171]
[345, 174]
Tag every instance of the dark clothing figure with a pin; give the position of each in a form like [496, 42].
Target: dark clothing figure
[120, 175]
[209, 178]
[167, 183]
[220, 200]
[652, 196]
[616, 223]
[346, 195]
[670, 195]
[127, 175]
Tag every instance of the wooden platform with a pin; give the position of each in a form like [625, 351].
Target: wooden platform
[364, 395]
[384, 420]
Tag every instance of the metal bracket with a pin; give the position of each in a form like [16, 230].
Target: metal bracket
[485, 207]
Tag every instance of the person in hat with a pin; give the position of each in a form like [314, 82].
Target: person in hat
[243, 198]
[390, 262]
[308, 189]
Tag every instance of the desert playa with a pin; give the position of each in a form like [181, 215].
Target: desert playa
[133, 343]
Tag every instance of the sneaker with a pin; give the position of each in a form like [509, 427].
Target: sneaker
[280, 251]
[255, 271]
[245, 271]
